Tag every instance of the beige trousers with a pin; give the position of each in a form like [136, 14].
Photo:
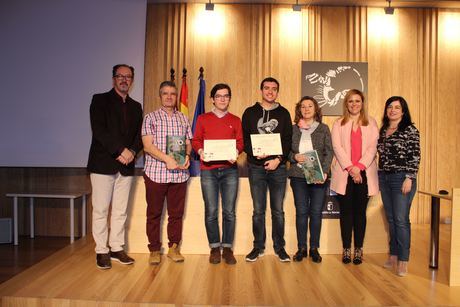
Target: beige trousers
[110, 189]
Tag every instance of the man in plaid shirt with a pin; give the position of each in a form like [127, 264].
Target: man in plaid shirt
[163, 176]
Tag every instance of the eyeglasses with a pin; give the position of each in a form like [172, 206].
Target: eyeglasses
[121, 77]
[219, 97]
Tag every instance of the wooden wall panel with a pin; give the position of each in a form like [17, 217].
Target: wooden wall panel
[334, 34]
[393, 69]
[219, 56]
[259, 40]
[427, 113]
[311, 34]
[166, 35]
[51, 215]
[446, 102]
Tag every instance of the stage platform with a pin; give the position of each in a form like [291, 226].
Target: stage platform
[194, 232]
[70, 278]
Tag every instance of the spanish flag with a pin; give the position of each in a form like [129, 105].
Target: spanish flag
[183, 104]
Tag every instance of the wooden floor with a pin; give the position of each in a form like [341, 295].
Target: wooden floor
[70, 278]
[16, 258]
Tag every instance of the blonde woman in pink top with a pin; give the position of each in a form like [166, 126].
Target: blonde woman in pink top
[354, 170]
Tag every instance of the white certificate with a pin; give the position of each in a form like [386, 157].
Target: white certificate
[219, 150]
[266, 144]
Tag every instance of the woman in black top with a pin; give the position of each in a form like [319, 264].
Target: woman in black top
[399, 158]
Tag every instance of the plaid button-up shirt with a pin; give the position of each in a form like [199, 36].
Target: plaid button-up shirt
[159, 124]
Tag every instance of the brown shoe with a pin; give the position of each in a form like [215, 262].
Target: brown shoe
[103, 261]
[214, 256]
[121, 257]
[174, 253]
[227, 254]
[155, 257]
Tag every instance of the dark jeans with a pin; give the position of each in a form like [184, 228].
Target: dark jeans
[353, 207]
[224, 180]
[175, 198]
[275, 181]
[397, 209]
[308, 200]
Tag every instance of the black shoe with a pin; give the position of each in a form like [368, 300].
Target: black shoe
[254, 254]
[121, 257]
[358, 257]
[283, 256]
[103, 261]
[301, 253]
[346, 255]
[315, 256]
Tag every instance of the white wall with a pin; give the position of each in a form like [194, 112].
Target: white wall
[54, 55]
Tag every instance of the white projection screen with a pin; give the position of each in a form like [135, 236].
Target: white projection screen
[54, 55]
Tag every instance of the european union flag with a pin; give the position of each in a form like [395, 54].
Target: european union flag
[199, 109]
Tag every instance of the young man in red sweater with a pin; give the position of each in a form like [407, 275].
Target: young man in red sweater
[219, 176]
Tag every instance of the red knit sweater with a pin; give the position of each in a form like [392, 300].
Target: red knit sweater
[211, 127]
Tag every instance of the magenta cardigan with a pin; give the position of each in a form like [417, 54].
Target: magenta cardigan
[341, 143]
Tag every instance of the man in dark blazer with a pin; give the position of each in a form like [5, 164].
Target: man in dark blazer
[116, 121]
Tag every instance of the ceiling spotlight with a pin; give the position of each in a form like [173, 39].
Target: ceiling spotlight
[296, 7]
[209, 6]
[389, 10]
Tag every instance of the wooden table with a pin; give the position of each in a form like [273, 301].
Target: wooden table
[54, 194]
[434, 237]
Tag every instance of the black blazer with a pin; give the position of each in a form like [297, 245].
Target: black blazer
[114, 128]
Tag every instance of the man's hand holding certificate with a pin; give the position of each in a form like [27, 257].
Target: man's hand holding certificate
[219, 150]
[266, 144]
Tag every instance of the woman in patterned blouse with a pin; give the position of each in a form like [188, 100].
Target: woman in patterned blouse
[399, 158]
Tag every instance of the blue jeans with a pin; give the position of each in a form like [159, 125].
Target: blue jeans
[225, 181]
[397, 209]
[275, 181]
[308, 200]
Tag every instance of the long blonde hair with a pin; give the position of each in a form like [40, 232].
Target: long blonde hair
[363, 118]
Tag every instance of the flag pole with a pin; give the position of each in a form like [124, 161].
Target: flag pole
[172, 73]
[199, 109]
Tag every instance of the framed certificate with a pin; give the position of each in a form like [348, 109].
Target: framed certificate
[266, 144]
[219, 150]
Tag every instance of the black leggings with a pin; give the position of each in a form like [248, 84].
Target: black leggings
[353, 207]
